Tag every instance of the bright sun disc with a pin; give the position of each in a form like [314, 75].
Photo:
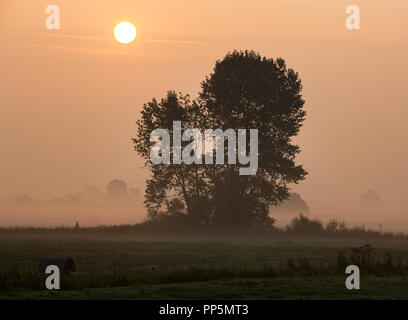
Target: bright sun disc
[125, 32]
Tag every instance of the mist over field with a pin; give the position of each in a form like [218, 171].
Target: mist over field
[70, 100]
[95, 206]
[91, 206]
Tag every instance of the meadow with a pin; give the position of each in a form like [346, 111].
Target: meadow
[129, 265]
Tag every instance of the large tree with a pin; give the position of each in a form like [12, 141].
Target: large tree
[248, 91]
[244, 91]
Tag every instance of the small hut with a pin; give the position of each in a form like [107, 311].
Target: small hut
[65, 265]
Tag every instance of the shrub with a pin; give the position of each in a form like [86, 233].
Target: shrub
[304, 225]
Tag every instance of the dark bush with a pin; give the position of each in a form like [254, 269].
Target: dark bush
[304, 225]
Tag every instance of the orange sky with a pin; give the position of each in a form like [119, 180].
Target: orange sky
[69, 98]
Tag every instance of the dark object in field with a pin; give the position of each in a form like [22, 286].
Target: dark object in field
[65, 265]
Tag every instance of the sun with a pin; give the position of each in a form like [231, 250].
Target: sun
[125, 32]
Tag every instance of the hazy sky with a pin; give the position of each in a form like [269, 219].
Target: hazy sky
[69, 98]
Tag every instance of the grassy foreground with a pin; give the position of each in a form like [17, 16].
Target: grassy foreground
[129, 266]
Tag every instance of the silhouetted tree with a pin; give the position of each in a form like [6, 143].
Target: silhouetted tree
[370, 196]
[248, 91]
[294, 204]
[183, 181]
[117, 189]
[245, 91]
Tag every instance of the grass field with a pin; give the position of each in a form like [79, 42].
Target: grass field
[128, 266]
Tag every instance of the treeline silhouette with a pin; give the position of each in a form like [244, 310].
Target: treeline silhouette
[300, 225]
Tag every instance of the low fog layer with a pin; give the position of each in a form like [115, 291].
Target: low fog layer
[117, 204]
[367, 209]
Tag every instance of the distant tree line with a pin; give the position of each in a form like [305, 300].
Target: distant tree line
[300, 225]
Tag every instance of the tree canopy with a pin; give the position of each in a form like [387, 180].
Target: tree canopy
[244, 91]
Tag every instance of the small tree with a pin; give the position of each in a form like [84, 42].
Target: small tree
[185, 182]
